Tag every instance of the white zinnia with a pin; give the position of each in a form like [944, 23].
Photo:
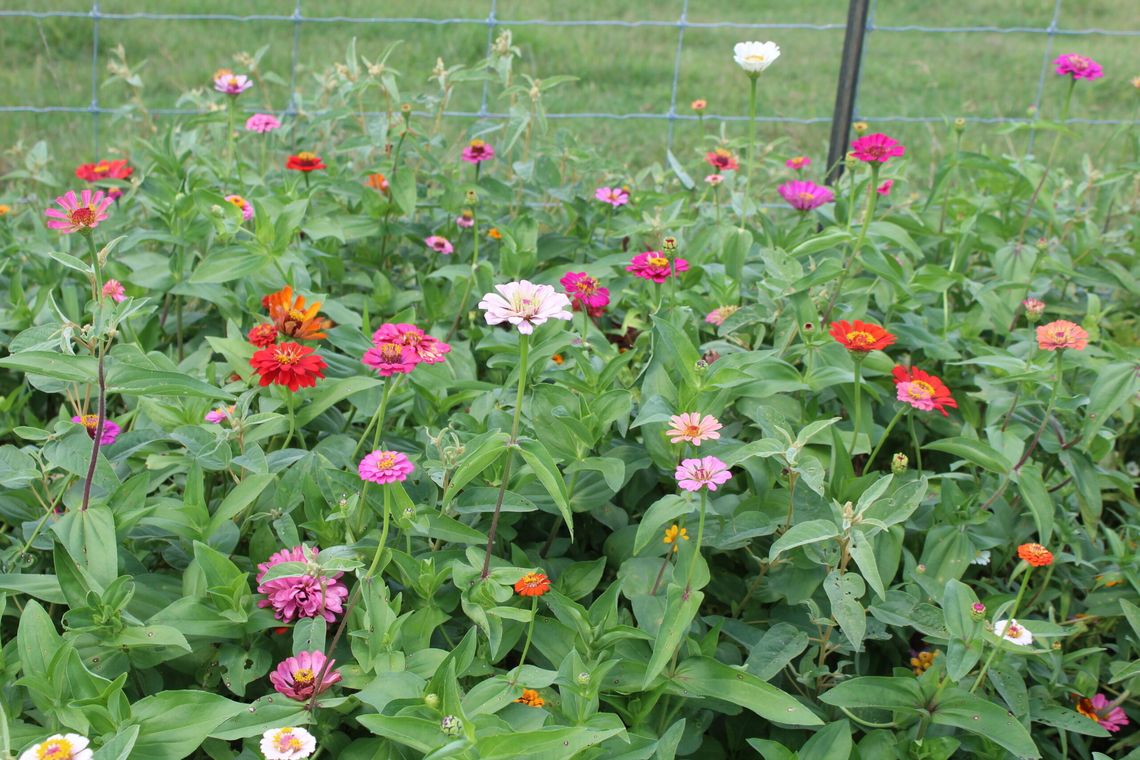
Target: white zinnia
[287, 743]
[60, 747]
[1013, 632]
[981, 558]
[754, 57]
[525, 305]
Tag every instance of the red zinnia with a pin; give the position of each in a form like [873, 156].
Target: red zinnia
[104, 170]
[1035, 554]
[288, 364]
[263, 335]
[532, 584]
[922, 390]
[304, 162]
[722, 159]
[861, 336]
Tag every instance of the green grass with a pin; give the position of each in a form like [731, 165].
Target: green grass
[623, 70]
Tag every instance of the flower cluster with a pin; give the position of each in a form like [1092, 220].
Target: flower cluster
[288, 363]
[655, 265]
[398, 348]
[307, 595]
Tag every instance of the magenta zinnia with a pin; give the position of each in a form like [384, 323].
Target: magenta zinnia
[524, 305]
[385, 467]
[695, 474]
[262, 122]
[296, 677]
[307, 595]
[585, 293]
[804, 195]
[80, 213]
[654, 265]
[1078, 67]
[91, 423]
[876, 147]
[439, 244]
[477, 151]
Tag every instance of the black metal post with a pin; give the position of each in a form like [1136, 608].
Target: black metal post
[847, 87]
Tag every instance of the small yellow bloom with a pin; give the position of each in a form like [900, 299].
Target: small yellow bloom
[531, 698]
[674, 534]
[5, 209]
[860, 127]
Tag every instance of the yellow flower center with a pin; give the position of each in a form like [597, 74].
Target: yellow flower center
[287, 356]
[657, 261]
[307, 156]
[862, 337]
[56, 749]
[237, 200]
[287, 740]
[304, 676]
[385, 461]
[755, 58]
[919, 389]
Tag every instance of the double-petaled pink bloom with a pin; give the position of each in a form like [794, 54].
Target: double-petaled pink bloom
[524, 305]
[229, 83]
[296, 677]
[708, 472]
[80, 213]
[876, 147]
[655, 265]
[262, 123]
[439, 244]
[615, 196]
[1077, 67]
[804, 195]
[586, 293]
[307, 595]
[1062, 334]
[694, 428]
[114, 290]
[398, 348]
[383, 467]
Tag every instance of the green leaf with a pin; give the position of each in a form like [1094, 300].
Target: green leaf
[36, 640]
[45, 587]
[1036, 497]
[662, 512]
[540, 461]
[977, 452]
[1068, 720]
[131, 380]
[89, 537]
[682, 175]
[680, 609]
[802, 534]
[963, 710]
[227, 265]
[957, 602]
[172, 724]
[711, 678]
[833, 742]
[77, 369]
[878, 692]
[551, 741]
[17, 468]
[844, 591]
[120, 746]
[862, 550]
[329, 392]
[402, 186]
[243, 494]
[780, 645]
[1115, 385]
[420, 734]
[480, 454]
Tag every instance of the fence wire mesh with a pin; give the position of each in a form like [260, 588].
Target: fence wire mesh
[298, 20]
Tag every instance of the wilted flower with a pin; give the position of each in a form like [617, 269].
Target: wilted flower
[60, 747]
[615, 196]
[385, 467]
[699, 104]
[225, 81]
[466, 220]
[524, 305]
[675, 534]
[1061, 334]
[861, 337]
[722, 160]
[531, 698]
[300, 596]
[80, 213]
[1111, 717]
[692, 427]
[263, 335]
[221, 414]
[114, 290]
[798, 162]
[1013, 632]
[439, 244]
[1077, 66]
[885, 188]
[477, 151]
[532, 584]
[1035, 554]
[101, 170]
[304, 162]
[262, 122]
[292, 318]
[243, 205]
[654, 265]
[585, 293]
[804, 195]
[288, 364]
[287, 743]
[714, 179]
[695, 474]
[91, 423]
[296, 677]
[922, 661]
[877, 147]
[922, 391]
[719, 314]
[754, 57]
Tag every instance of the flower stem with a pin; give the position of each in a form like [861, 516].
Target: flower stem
[529, 635]
[752, 128]
[857, 416]
[100, 349]
[883, 439]
[700, 538]
[377, 420]
[868, 214]
[1048, 163]
[914, 440]
[462, 308]
[290, 401]
[231, 153]
[1012, 616]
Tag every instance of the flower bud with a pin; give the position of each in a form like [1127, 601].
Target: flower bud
[583, 678]
[1034, 308]
[959, 125]
[978, 611]
[451, 725]
[669, 244]
[899, 463]
[432, 700]
[701, 365]
[860, 127]
[920, 568]
[471, 197]
[851, 162]
[710, 356]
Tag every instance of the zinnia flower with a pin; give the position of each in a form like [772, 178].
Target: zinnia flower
[804, 195]
[104, 170]
[390, 358]
[876, 147]
[722, 160]
[585, 293]
[1078, 67]
[524, 305]
[5, 209]
[439, 244]
[1060, 335]
[287, 743]
[1035, 554]
[292, 318]
[922, 391]
[654, 265]
[885, 188]
[861, 336]
[60, 747]
[378, 182]
[674, 534]
[754, 57]
[695, 474]
[714, 179]
[425, 348]
[221, 414]
[692, 427]
[615, 196]
[699, 104]
[1012, 632]
[466, 220]
[296, 677]
[531, 698]
[385, 467]
[798, 162]
[1034, 307]
[304, 162]
[288, 364]
[227, 82]
[263, 335]
[1098, 709]
[532, 584]
[113, 289]
[91, 423]
[719, 314]
[80, 213]
[262, 123]
[494, 234]
[300, 596]
[243, 205]
[477, 151]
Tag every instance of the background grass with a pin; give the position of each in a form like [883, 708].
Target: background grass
[622, 70]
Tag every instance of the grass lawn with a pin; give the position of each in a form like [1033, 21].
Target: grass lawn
[621, 69]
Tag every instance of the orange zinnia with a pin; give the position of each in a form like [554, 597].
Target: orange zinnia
[861, 336]
[532, 584]
[1035, 554]
[531, 698]
[292, 318]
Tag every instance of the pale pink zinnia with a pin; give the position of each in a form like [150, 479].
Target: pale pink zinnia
[91, 423]
[466, 220]
[306, 595]
[262, 122]
[221, 414]
[695, 474]
[804, 195]
[654, 265]
[1078, 67]
[714, 179]
[296, 677]
[615, 196]
[439, 244]
[232, 84]
[586, 293]
[385, 467]
[113, 289]
[80, 213]
[719, 314]
[885, 188]
[694, 428]
[524, 305]
[477, 151]
[1060, 335]
[876, 147]
[287, 743]
[60, 747]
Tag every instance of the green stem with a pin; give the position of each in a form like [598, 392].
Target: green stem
[377, 420]
[231, 153]
[883, 439]
[1048, 163]
[857, 416]
[1011, 617]
[529, 635]
[752, 128]
[914, 441]
[700, 538]
[383, 534]
[849, 263]
[462, 308]
[290, 402]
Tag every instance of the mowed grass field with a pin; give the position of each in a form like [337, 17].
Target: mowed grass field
[47, 62]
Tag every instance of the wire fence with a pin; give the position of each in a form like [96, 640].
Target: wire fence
[298, 20]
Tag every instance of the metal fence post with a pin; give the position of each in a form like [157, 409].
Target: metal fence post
[847, 86]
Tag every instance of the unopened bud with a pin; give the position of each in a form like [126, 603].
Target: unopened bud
[978, 611]
[860, 127]
[583, 678]
[471, 197]
[1034, 308]
[451, 725]
[431, 700]
[701, 365]
[669, 244]
[899, 463]
[851, 162]
[959, 125]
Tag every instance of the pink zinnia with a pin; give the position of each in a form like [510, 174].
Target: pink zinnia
[714, 179]
[586, 293]
[91, 422]
[221, 414]
[694, 428]
[306, 595]
[695, 474]
[798, 162]
[719, 314]
[1111, 720]
[876, 147]
[385, 467]
[243, 205]
[296, 677]
[466, 220]
[654, 265]
[615, 196]
[477, 151]
[426, 349]
[804, 195]
[113, 289]
[261, 122]
[1061, 334]
[79, 213]
[524, 305]
[885, 188]
[391, 358]
[1078, 67]
[439, 244]
[231, 84]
